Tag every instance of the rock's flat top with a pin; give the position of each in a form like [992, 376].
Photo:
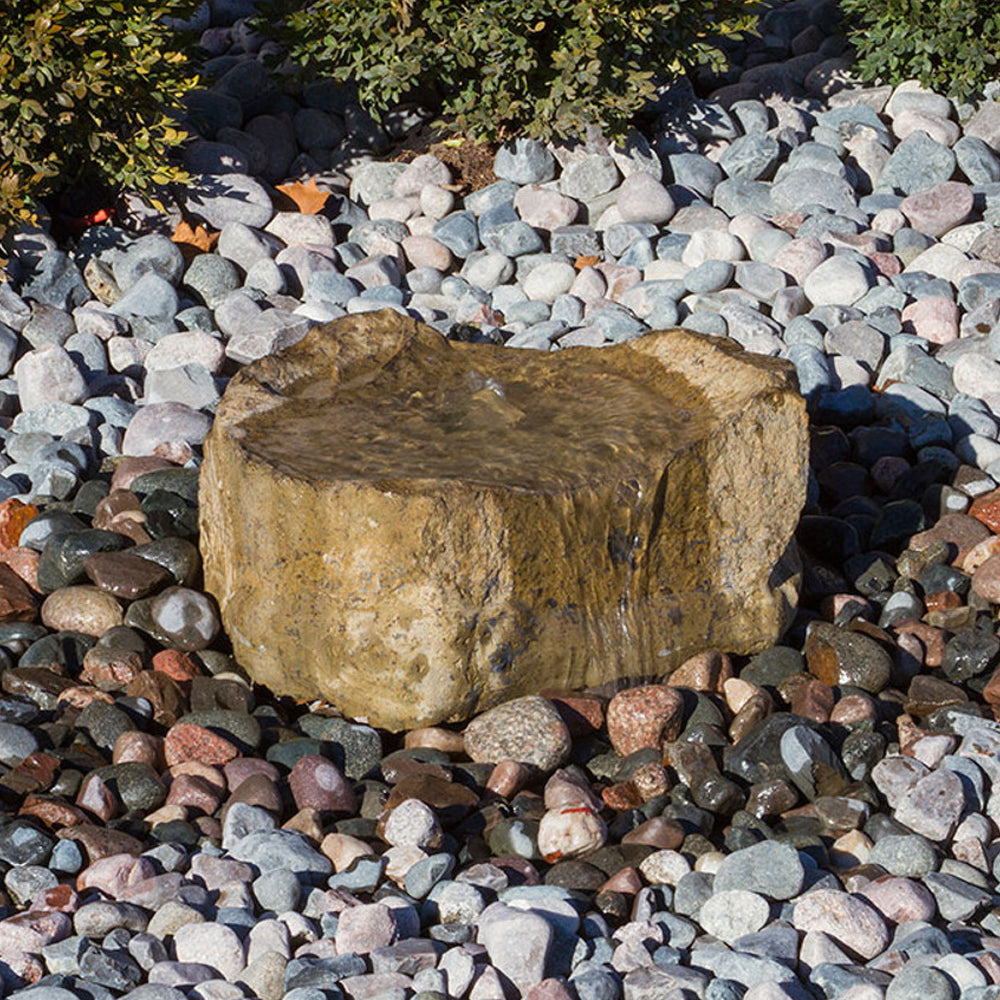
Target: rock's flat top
[402, 404]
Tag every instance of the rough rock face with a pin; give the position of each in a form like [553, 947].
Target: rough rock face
[415, 529]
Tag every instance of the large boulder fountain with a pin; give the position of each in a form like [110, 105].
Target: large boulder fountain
[415, 529]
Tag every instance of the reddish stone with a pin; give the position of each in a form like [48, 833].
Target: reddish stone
[55, 813]
[508, 777]
[176, 665]
[986, 580]
[238, 770]
[933, 639]
[28, 933]
[99, 842]
[210, 827]
[832, 605]
[989, 962]
[214, 777]
[519, 871]
[959, 532]
[125, 575]
[110, 669]
[583, 714]
[17, 602]
[317, 783]
[978, 554]
[551, 989]
[162, 692]
[625, 880]
[660, 832]
[813, 700]
[40, 767]
[175, 452]
[886, 263]
[14, 515]
[651, 780]
[81, 695]
[187, 741]
[646, 716]
[113, 873]
[129, 468]
[622, 796]
[194, 793]
[706, 671]
[986, 508]
[144, 748]
[991, 693]
[942, 600]
[56, 897]
[257, 790]
[24, 562]
[97, 798]
[436, 738]
[852, 709]
[399, 768]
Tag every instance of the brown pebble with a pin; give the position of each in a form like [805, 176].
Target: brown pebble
[81, 609]
[259, 790]
[97, 798]
[194, 793]
[582, 713]
[24, 562]
[852, 709]
[986, 580]
[660, 832]
[625, 880]
[395, 769]
[706, 671]
[143, 748]
[771, 798]
[758, 708]
[162, 692]
[125, 575]
[343, 850]
[52, 812]
[813, 700]
[622, 796]
[928, 693]
[942, 600]
[100, 842]
[179, 666]
[17, 602]
[307, 822]
[110, 669]
[508, 778]
[238, 770]
[436, 738]
[82, 695]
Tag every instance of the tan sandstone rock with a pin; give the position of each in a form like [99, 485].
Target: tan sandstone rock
[416, 529]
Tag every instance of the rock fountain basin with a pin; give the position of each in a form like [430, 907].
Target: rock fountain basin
[414, 529]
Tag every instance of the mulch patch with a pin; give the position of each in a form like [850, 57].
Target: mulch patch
[471, 162]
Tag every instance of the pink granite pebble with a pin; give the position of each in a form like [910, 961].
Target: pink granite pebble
[850, 920]
[934, 318]
[363, 928]
[938, 209]
[647, 716]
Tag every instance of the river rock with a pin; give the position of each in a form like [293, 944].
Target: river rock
[456, 525]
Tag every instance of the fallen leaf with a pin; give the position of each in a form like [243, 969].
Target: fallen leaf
[586, 260]
[307, 197]
[193, 239]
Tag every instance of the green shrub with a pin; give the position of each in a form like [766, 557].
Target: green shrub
[535, 67]
[950, 46]
[87, 90]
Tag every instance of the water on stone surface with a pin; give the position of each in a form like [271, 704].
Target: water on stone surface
[536, 423]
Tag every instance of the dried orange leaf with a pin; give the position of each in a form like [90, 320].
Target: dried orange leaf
[193, 239]
[586, 260]
[14, 515]
[307, 197]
